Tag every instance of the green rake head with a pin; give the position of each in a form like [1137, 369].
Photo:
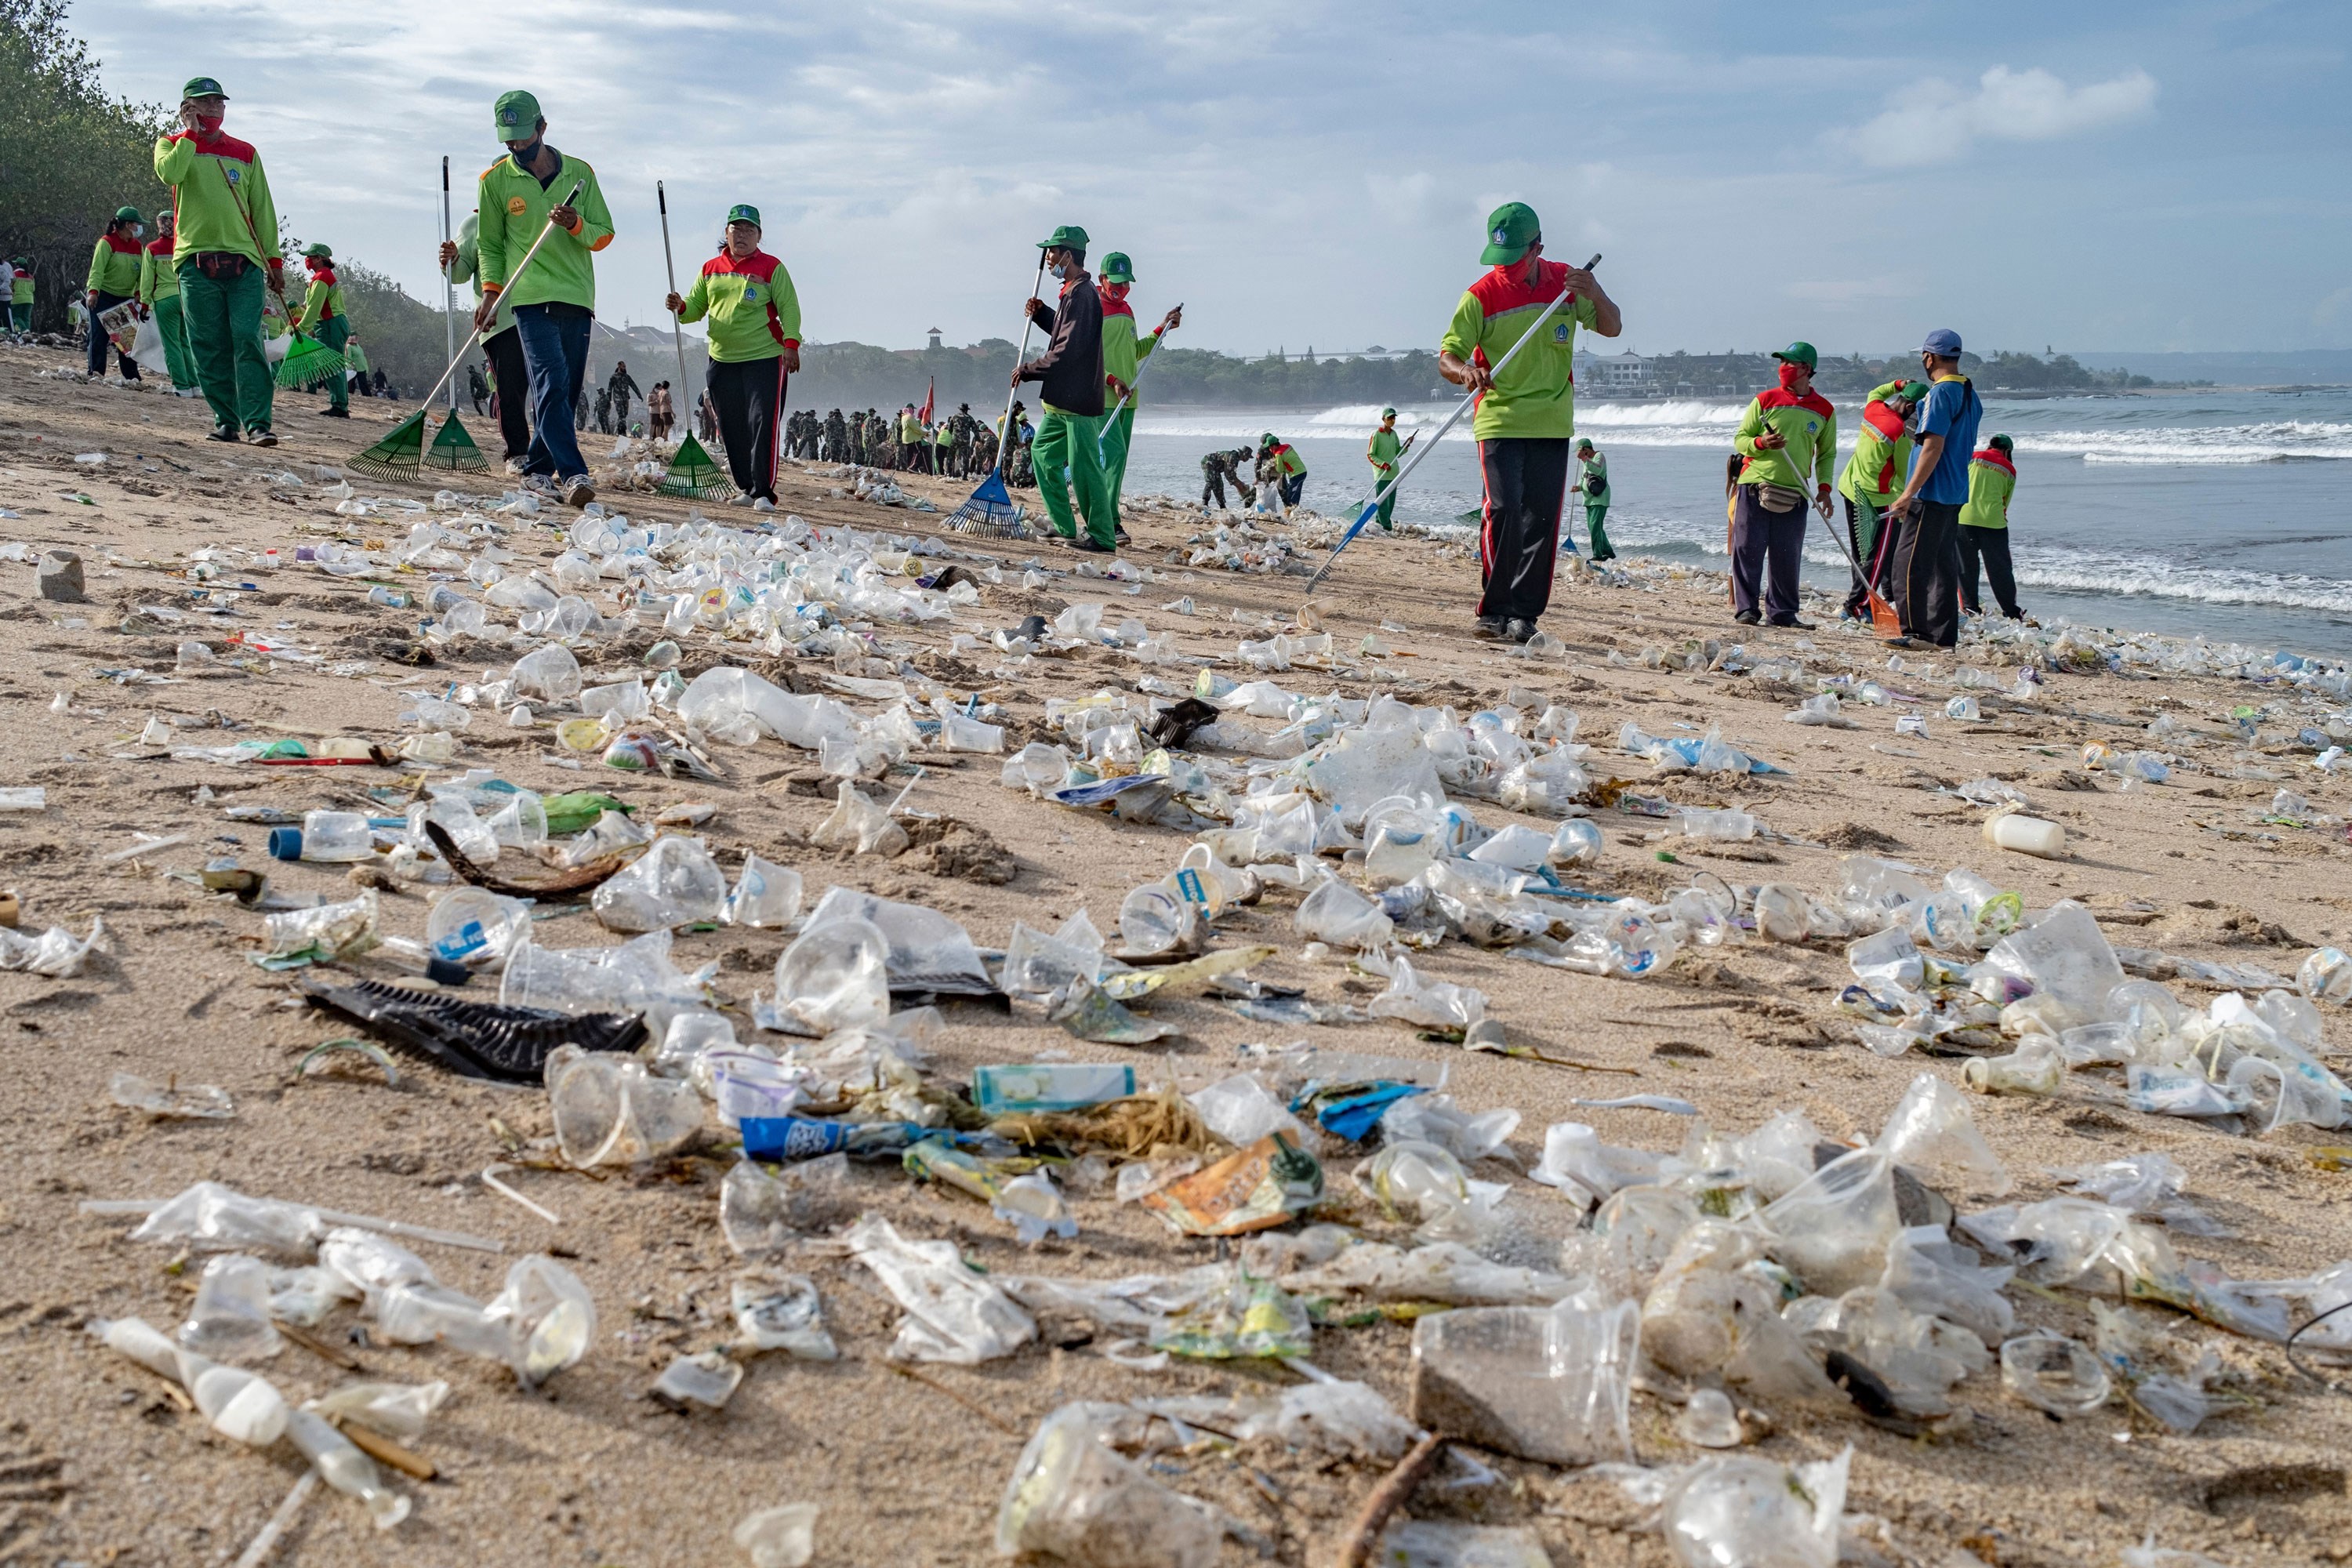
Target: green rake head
[400, 453]
[454, 449]
[308, 364]
[693, 475]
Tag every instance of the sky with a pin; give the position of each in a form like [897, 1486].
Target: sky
[2087, 175]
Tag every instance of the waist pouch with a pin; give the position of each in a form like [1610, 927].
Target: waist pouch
[1779, 497]
[220, 264]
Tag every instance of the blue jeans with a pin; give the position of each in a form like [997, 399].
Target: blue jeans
[555, 351]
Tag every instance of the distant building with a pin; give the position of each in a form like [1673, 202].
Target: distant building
[1626, 375]
[935, 337]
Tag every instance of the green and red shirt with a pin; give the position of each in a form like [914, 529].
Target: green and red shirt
[1288, 463]
[513, 207]
[1123, 351]
[1808, 425]
[754, 311]
[220, 197]
[324, 302]
[1535, 395]
[1992, 479]
[114, 266]
[157, 279]
[1882, 452]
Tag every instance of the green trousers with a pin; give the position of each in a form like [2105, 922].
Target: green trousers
[1067, 455]
[1381, 476]
[1594, 510]
[1118, 440]
[335, 331]
[171, 325]
[223, 316]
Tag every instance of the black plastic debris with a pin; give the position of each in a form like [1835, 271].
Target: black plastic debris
[1175, 723]
[473, 1039]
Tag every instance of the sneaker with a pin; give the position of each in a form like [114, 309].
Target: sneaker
[739, 498]
[223, 433]
[514, 467]
[1517, 630]
[763, 504]
[1490, 629]
[1087, 546]
[576, 490]
[334, 414]
[262, 435]
[1747, 617]
[1901, 642]
[1793, 624]
[1120, 536]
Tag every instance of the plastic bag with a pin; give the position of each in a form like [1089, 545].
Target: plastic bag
[1436, 1005]
[859, 827]
[1833, 1229]
[1930, 1130]
[952, 1314]
[1073, 1498]
[1757, 1514]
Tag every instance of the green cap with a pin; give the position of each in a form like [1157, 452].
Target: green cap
[202, 86]
[318, 251]
[126, 214]
[1585, 443]
[1266, 439]
[1799, 353]
[1068, 237]
[1912, 392]
[1510, 229]
[2004, 443]
[518, 116]
[1117, 268]
[1388, 413]
[744, 211]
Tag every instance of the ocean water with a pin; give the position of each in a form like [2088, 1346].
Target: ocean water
[2218, 512]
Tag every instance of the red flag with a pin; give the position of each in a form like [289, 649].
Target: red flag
[931, 392]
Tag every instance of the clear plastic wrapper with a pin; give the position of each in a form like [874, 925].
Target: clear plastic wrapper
[1074, 1498]
[952, 1314]
[1757, 1514]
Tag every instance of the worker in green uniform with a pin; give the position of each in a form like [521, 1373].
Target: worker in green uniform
[322, 316]
[554, 304]
[113, 281]
[1787, 440]
[159, 291]
[1382, 451]
[755, 351]
[355, 358]
[1289, 469]
[1068, 451]
[1871, 479]
[1123, 355]
[20, 295]
[228, 241]
[1592, 484]
[1984, 527]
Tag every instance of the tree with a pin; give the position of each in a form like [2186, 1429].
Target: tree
[70, 154]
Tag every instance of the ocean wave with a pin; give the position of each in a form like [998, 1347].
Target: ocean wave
[2273, 442]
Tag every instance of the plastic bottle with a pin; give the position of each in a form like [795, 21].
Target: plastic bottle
[342, 1467]
[2026, 835]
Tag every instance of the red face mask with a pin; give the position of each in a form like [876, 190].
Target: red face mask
[1789, 374]
[1116, 291]
[208, 126]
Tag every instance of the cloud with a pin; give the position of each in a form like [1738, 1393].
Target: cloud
[1935, 122]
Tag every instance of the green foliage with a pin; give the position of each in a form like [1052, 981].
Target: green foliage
[70, 154]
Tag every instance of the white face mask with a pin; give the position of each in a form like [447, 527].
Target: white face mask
[1061, 269]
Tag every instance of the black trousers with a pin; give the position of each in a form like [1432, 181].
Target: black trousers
[1212, 483]
[1989, 545]
[1876, 552]
[750, 397]
[98, 304]
[1766, 548]
[1928, 572]
[1527, 482]
[510, 380]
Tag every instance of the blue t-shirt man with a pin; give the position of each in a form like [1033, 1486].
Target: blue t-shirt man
[1953, 411]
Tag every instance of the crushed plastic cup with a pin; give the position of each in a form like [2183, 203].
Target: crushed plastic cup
[2325, 976]
[1755, 1513]
[2052, 1372]
[549, 671]
[835, 975]
[783, 1537]
[1074, 1498]
[782, 1313]
[766, 895]
[1337, 914]
[2038, 1066]
[474, 926]
[1153, 919]
[674, 883]
[336, 836]
[608, 1110]
[1708, 1420]
[1574, 842]
[230, 1319]
[1548, 1383]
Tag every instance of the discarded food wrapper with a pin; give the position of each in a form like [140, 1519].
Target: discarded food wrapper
[1251, 1189]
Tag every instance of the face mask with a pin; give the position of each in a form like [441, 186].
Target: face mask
[1790, 374]
[208, 125]
[1060, 270]
[530, 155]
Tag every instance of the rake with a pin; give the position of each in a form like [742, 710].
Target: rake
[403, 452]
[1373, 505]
[692, 473]
[991, 511]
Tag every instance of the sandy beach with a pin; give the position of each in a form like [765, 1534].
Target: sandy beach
[98, 1464]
